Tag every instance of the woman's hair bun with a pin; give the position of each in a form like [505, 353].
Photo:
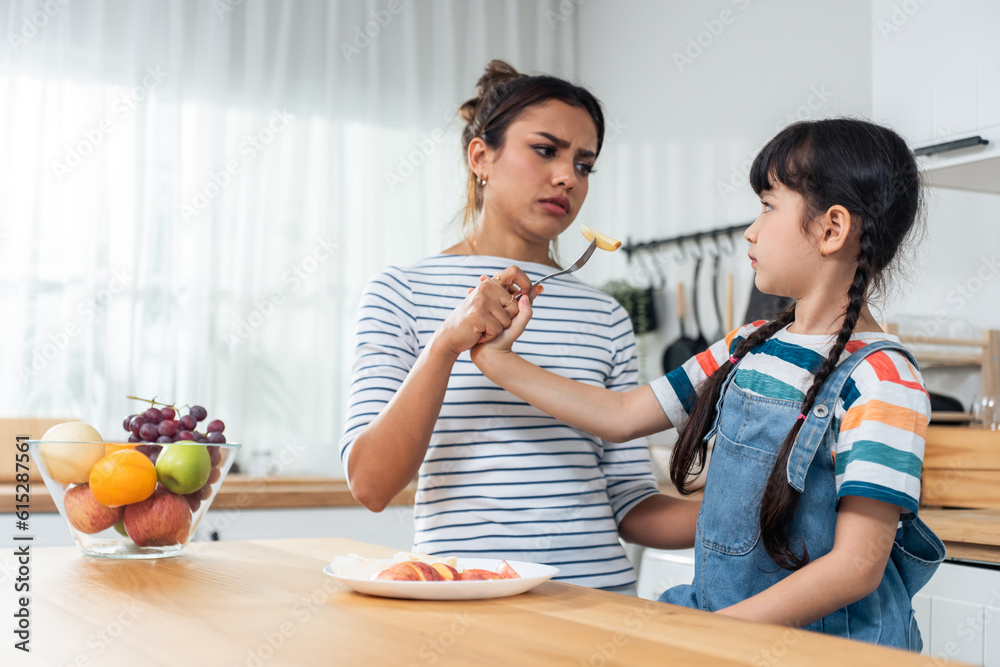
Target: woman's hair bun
[498, 72]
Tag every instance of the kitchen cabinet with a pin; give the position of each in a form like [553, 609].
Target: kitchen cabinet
[392, 527]
[660, 570]
[253, 508]
[936, 67]
[936, 78]
[958, 611]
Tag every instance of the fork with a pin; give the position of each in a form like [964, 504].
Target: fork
[576, 265]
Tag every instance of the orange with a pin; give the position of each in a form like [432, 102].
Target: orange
[110, 447]
[122, 478]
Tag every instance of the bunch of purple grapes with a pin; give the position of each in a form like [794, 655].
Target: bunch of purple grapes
[161, 426]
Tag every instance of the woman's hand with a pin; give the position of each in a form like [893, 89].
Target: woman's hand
[486, 312]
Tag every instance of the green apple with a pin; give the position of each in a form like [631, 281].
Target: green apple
[183, 467]
[120, 527]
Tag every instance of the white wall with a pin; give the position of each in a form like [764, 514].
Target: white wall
[685, 120]
[952, 284]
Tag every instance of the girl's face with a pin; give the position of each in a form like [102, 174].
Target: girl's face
[782, 252]
[537, 181]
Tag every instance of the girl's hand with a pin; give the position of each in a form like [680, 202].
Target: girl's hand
[485, 313]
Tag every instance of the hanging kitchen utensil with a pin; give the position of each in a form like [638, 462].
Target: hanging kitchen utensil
[639, 302]
[647, 314]
[720, 331]
[683, 348]
[764, 306]
[730, 321]
[729, 301]
[701, 343]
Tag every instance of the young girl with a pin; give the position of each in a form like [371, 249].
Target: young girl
[818, 418]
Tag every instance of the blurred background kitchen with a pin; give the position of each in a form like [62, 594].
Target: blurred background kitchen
[193, 194]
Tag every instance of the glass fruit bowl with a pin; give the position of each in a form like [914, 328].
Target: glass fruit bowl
[132, 500]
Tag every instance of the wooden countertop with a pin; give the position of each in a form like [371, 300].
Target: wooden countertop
[967, 534]
[243, 492]
[269, 603]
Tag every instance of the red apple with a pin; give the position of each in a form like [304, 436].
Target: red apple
[86, 514]
[411, 570]
[163, 519]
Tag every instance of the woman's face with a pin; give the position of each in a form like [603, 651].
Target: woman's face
[537, 181]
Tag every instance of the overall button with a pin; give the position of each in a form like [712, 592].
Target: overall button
[820, 411]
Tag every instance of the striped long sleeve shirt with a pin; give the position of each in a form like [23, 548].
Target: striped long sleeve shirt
[881, 416]
[500, 478]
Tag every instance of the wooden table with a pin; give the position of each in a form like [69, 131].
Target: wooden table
[268, 603]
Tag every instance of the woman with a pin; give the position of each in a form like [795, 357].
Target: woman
[498, 478]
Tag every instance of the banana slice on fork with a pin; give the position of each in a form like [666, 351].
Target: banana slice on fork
[604, 242]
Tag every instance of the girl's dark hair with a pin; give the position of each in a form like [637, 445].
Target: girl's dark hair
[868, 170]
[503, 95]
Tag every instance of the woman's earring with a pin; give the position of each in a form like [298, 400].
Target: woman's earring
[482, 182]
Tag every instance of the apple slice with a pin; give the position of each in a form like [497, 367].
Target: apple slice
[412, 570]
[506, 571]
[475, 574]
[604, 242]
[447, 572]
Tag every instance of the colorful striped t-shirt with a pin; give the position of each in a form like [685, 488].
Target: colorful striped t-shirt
[502, 479]
[881, 415]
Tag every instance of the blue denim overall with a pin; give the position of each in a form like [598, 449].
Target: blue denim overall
[731, 563]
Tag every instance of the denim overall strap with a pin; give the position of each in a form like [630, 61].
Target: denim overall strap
[818, 421]
[722, 393]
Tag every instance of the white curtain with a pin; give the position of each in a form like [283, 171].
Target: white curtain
[194, 192]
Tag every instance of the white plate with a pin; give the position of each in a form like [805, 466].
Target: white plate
[356, 576]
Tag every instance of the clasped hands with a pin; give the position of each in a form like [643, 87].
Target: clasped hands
[495, 313]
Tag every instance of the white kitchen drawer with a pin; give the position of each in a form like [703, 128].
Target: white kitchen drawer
[392, 527]
[964, 614]
[661, 570]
